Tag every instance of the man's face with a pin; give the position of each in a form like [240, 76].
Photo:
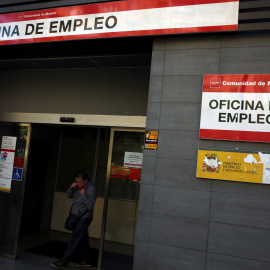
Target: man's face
[80, 182]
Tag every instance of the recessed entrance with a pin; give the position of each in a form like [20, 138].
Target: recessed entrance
[56, 153]
[101, 84]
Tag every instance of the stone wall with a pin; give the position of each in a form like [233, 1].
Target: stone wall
[189, 223]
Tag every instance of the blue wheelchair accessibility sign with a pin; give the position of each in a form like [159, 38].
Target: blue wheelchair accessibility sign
[17, 174]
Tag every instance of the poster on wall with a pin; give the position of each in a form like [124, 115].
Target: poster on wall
[236, 107]
[241, 166]
[133, 159]
[151, 139]
[119, 19]
[8, 147]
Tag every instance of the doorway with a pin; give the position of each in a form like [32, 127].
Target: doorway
[56, 154]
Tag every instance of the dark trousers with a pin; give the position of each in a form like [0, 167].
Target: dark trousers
[79, 239]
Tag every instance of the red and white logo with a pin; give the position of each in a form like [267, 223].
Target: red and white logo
[20, 16]
[5, 155]
[215, 82]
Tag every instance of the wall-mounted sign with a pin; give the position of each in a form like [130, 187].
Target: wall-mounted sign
[133, 159]
[151, 139]
[8, 147]
[236, 107]
[119, 18]
[253, 167]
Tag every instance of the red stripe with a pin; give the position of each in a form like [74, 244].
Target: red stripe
[237, 78]
[119, 174]
[128, 33]
[107, 7]
[235, 135]
[19, 41]
[116, 176]
[7, 150]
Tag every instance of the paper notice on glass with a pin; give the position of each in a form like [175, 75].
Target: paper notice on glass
[8, 147]
[133, 159]
[8, 143]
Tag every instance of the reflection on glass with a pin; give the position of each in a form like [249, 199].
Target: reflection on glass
[83, 149]
[124, 184]
[78, 150]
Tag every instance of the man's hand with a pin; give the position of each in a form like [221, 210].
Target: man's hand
[73, 185]
[82, 191]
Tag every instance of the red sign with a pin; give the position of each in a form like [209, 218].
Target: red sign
[118, 19]
[236, 107]
[119, 172]
[18, 162]
[135, 174]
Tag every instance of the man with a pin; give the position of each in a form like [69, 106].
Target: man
[84, 193]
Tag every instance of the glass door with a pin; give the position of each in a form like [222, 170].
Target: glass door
[14, 140]
[121, 200]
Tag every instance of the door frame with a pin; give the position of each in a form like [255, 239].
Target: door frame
[106, 195]
[79, 119]
[28, 138]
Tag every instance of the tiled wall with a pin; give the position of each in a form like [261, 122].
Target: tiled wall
[189, 223]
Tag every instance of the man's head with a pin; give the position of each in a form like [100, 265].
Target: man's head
[81, 179]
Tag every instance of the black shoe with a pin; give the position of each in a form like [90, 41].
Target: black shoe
[84, 263]
[58, 264]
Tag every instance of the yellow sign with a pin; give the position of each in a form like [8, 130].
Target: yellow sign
[151, 139]
[234, 166]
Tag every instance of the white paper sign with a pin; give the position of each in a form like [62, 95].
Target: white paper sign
[8, 143]
[133, 159]
[8, 147]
